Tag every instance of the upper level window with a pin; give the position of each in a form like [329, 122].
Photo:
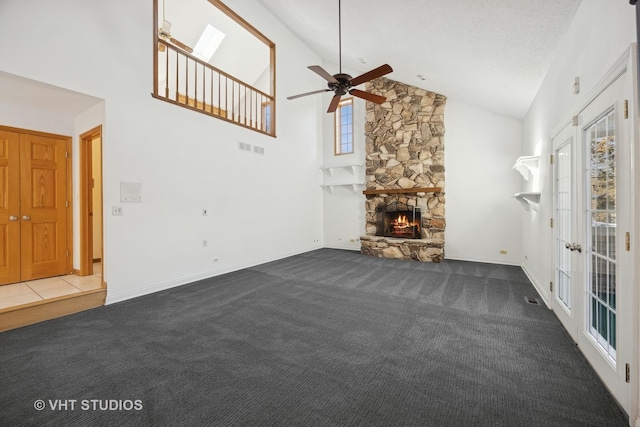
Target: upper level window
[209, 59]
[344, 127]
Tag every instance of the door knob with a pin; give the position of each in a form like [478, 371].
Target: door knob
[13, 218]
[26, 217]
[573, 247]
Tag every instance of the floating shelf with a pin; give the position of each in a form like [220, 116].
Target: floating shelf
[351, 168]
[529, 200]
[528, 166]
[354, 186]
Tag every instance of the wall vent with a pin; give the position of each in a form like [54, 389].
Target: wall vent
[258, 150]
[531, 300]
[244, 146]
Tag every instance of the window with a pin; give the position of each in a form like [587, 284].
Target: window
[344, 127]
[209, 59]
[266, 117]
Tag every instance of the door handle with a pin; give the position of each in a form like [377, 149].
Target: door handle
[573, 247]
[13, 218]
[26, 217]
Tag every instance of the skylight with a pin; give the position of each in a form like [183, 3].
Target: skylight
[208, 43]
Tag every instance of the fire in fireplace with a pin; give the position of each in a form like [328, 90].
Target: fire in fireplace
[400, 223]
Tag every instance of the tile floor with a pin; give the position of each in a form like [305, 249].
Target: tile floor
[52, 287]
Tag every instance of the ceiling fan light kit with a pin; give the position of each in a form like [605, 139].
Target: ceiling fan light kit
[341, 84]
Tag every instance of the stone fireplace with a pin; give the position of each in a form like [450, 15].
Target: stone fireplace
[402, 223]
[404, 173]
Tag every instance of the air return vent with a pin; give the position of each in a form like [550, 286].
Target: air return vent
[531, 300]
[244, 146]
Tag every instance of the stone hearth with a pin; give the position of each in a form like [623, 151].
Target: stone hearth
[405, 155]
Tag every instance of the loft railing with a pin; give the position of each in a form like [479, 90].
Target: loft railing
[183, 79]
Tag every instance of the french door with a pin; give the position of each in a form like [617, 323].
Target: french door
[567, 266]
[594, 294]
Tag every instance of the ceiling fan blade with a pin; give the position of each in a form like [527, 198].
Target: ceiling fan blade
[334, 104]
[308, 93]
[322, 73]
[368, 96]
[373, 74]
[180, 45]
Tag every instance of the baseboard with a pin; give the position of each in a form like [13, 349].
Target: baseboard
[536, 284]
[157, 287]
[346, 248]
[485, 261]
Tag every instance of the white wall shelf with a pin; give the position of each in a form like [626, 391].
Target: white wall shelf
[528, 166]
[351, 168]
[529, 200]
[354, 186]
[346, 176]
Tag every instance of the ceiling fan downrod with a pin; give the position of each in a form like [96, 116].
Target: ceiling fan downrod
[340, 36]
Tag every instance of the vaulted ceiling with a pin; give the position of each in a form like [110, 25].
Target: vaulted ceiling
[490, 53]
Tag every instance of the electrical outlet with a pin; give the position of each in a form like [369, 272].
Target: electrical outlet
[116, 210]
[205, 243]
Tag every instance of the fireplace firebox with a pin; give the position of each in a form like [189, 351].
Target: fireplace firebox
[402, 223]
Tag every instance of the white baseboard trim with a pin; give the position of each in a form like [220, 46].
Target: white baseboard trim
[347, 248]
[536, 284]
[179, 281]
[486, 261]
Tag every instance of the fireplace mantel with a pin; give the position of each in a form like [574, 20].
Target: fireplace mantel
[404, 190]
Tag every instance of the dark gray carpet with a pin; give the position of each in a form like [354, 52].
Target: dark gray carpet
[324, 338]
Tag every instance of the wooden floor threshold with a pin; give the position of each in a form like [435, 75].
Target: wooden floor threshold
[35, 312]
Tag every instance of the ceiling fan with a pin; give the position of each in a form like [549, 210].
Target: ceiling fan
[165, 34]
[342, 83]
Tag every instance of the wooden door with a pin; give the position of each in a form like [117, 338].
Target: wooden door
[43, 213]
[9, 207]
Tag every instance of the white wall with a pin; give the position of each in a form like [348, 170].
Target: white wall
[586, 53]
[27, 118]
[185, 161]
[344, 213]
[482, 216]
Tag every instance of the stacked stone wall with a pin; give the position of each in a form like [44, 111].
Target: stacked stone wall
[405, 151]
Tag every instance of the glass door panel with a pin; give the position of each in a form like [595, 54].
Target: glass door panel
[602, 214]
[564, 218]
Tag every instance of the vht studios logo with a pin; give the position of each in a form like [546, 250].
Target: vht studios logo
[88, 405]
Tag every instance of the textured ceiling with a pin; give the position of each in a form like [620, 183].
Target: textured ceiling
[489, 53]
